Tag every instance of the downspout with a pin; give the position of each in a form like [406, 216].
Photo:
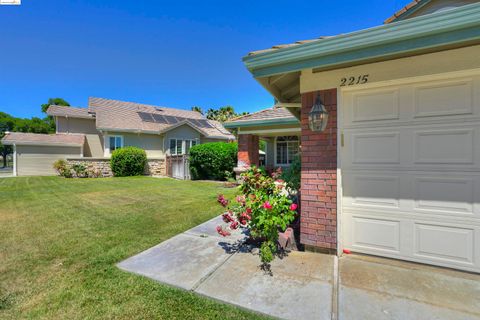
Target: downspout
[14, 160]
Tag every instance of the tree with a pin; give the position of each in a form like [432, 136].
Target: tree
[56, 102]
[223, 113]
[6, 124]
[49, 119]
[197, 109]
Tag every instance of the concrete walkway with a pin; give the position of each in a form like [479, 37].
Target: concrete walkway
[307, 285]
[300, 287]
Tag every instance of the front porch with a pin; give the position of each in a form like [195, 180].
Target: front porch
[274, 131]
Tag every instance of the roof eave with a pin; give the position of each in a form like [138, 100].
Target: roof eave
[263, 122]
[408, 37]
[37, 143]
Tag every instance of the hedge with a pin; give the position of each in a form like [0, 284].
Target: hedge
[128, 161]
[213, 161]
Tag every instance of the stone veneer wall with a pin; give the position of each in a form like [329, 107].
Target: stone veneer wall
[155, 166]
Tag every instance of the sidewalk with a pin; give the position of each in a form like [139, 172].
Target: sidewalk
[300, 287]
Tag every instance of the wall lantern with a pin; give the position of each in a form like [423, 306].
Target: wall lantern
[318, 116]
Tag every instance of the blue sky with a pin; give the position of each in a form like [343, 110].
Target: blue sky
[170, 53]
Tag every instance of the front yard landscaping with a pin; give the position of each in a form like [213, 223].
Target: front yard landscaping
[61, 238]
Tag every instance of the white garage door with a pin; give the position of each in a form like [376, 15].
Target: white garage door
[410, 165]
[38, 160]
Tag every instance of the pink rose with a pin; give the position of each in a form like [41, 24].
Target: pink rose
[293, 206]
[267, 205]
[234, 225]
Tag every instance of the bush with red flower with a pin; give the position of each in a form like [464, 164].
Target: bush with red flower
[265, 208]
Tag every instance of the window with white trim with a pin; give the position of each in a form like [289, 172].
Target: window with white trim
[287, 147]
[181, 146]
[115, 142]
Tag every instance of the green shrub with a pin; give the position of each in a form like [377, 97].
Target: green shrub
[80, 170]
[62, 168]
[213, 161]
[128, 161]
[291, 175]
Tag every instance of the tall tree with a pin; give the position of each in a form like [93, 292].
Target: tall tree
[223, 114]
[49, 119]
[197, 109]
[6, 124]
[56, 102]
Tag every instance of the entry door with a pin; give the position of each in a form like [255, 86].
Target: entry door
[410, 166]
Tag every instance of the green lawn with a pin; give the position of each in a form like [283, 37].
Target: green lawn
[61, 238]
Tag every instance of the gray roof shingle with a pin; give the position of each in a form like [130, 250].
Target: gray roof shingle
[58, 139]
[266, 114]
[121, 116]
[124, 116]
[69, 112]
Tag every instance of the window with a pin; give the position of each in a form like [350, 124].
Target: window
[116, 142]
[179, 146]
[286, 149]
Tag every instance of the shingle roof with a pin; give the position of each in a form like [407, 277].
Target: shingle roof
[22, 138]
[266, 114]
[124, 116]
[69, 112]
[397, 14]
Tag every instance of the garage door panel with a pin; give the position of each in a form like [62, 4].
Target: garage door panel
[438, 242]
[444, 195]
[372, 191]
[376, 234]
[374, 148]
[451, 98]
[374, 106]
[411, 184]
[448, 146]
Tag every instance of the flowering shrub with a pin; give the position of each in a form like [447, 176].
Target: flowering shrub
[265, 208]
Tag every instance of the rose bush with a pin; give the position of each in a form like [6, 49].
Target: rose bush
[265, 208]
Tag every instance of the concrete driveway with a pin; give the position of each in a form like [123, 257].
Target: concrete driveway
[306, 285]
[378, 288]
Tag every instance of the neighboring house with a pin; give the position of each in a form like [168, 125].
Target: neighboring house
[396, 172]
[93, 133]
[277, 127]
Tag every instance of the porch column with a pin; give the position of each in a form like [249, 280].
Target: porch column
[248, 152]
[14, 160]
[318, 217]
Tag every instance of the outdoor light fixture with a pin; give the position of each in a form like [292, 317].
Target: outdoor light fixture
[318, 116]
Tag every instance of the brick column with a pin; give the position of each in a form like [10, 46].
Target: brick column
[248, 148]
[318, 218]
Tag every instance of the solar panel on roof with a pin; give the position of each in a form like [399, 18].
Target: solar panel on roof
[158, 118]
[171, 119]
[147, 117]
[204, 124]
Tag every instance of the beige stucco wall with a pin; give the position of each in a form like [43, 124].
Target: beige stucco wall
[436, 5]
[38, 160]
[422, 65]
[151, 143]
[75, 125]
[93, 139]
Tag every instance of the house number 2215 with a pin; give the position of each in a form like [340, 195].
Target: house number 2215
[350, 81]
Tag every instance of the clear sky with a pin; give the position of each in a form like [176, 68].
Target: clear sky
[170, 53]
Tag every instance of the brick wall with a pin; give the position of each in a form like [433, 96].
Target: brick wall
[247, 150]
[319, 176]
